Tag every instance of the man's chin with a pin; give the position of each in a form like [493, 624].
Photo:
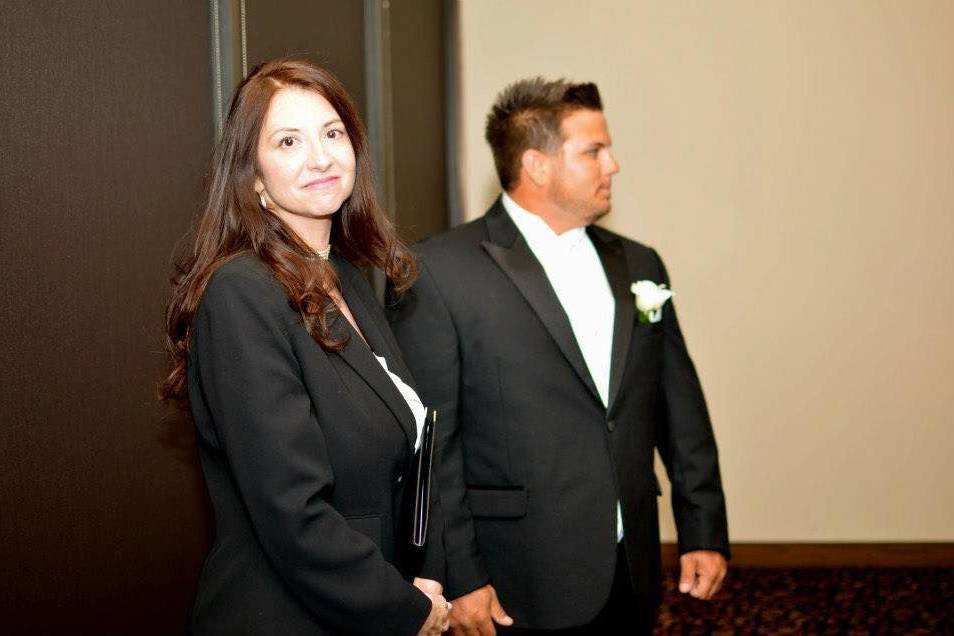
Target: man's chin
[599, 214]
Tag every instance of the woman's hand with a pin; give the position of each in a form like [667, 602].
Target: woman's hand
[438, 620]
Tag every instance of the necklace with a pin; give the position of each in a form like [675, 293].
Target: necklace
[324, 254]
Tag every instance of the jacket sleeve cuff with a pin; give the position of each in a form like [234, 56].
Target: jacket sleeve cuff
[704, 532]
[465, 578]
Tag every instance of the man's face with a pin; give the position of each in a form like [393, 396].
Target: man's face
[583, 168]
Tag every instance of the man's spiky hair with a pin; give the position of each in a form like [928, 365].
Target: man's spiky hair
[527, 114]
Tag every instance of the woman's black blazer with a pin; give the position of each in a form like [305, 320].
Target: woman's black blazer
[305, 453]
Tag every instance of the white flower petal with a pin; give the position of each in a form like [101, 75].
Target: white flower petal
[649, 295]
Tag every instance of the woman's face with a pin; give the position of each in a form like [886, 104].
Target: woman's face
[305, 159]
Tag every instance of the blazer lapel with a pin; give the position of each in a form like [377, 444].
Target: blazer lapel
[610, 250]
[370, 317]
[512, 254]
[360, 357]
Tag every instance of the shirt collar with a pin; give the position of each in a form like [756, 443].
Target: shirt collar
[536, 231]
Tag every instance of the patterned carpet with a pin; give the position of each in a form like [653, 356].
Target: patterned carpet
[909, 601]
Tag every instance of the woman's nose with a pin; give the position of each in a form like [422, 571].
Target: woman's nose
[318, 157]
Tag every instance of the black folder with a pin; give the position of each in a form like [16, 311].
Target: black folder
[422, 479]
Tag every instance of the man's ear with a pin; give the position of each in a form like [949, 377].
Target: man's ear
[535, 165]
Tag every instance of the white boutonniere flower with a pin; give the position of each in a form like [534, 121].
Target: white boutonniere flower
[650, 298]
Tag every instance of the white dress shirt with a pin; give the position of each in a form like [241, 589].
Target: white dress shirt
[410, 396]
[576, 274]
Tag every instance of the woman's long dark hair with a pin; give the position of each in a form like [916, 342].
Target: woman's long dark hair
[233, 222]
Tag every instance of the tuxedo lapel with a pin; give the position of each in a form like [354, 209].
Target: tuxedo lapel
[507, 247]
[610, 250]
[360, 357]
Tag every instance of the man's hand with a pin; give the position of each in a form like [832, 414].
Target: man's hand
[701, 573]
[475, 613]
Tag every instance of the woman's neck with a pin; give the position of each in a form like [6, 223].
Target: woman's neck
[315, 232]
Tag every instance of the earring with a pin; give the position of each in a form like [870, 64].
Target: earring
[261, 200]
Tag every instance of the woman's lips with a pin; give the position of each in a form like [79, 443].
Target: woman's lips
[322, 182]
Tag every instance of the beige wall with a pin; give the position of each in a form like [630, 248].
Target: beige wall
[794, 164]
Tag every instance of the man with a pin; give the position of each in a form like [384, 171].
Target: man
[553, 389]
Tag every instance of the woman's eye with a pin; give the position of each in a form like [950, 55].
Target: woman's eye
[334, 133]
[287, 142]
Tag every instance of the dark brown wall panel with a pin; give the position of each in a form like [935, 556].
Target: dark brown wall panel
[417, 81]
[332, 33]
[105, 136]
[105, 121]
[328, 32]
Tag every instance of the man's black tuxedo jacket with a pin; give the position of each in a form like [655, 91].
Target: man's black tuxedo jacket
[533, 462]
[305, 453]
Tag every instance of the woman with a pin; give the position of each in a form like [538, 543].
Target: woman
[304, 425]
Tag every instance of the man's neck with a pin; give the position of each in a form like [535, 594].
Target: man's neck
[543, 207]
